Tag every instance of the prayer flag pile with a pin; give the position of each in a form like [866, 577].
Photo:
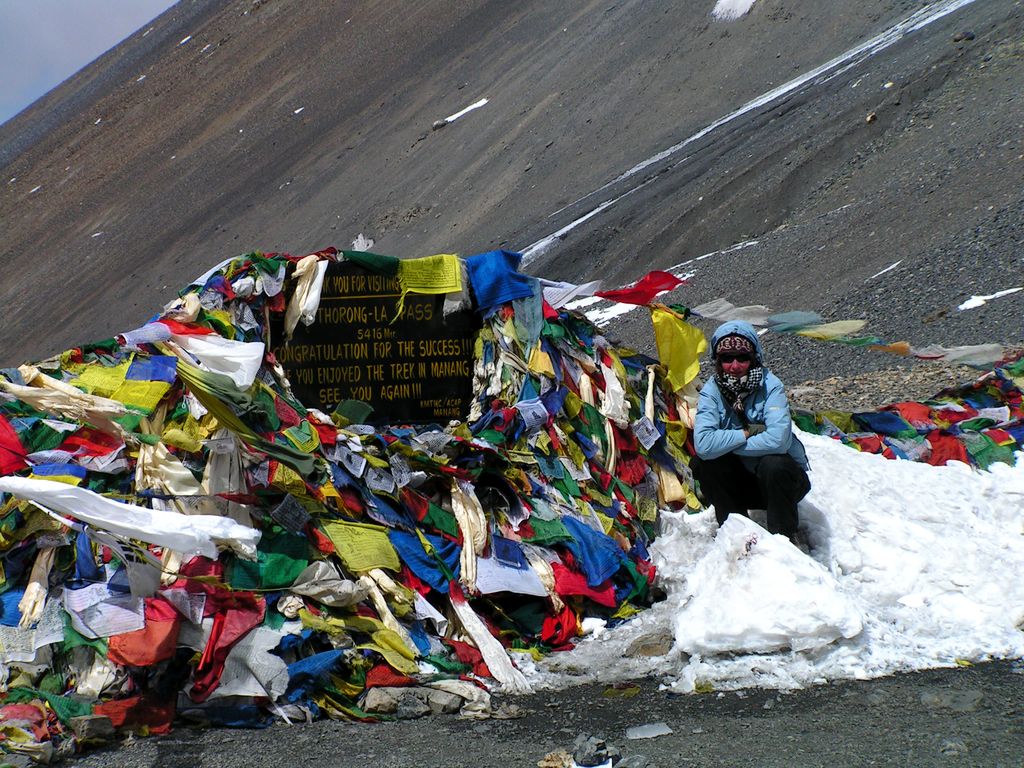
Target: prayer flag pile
[181, 536]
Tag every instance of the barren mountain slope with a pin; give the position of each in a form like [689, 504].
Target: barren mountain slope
[281, 125]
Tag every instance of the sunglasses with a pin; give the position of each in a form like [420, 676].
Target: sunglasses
[729, 358]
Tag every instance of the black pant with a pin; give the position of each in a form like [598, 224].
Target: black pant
[776, 484]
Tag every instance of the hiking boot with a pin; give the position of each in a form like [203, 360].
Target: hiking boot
[800, 541]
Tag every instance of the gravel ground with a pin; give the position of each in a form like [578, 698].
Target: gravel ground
[869, 391]
[947, 717]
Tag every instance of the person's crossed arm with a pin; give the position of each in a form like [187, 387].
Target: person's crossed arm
[776, 434]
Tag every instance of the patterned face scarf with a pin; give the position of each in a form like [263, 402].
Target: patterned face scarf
[736, 388]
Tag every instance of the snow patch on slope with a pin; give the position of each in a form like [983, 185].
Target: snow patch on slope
[730, 10]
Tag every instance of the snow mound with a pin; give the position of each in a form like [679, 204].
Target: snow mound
[754, 592]
[928, 560]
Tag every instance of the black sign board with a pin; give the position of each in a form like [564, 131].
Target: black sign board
[413, 368]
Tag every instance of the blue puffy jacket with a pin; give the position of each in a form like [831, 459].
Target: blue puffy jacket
[717, 428]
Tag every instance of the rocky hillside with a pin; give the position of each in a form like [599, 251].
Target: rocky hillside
[235, 125]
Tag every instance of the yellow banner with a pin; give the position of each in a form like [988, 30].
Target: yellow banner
[431, 274]
[680, 346]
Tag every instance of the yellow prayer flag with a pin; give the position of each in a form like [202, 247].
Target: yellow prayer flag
[328, 491]
[431, 274]
[829, 331]
[692, 501]
[179, 438]
[540, 362]
[66, 479]
[221, 320]
[543, 443]
[100, 380]
[395, 659]
[141, 395]
[606, 522]
[388, 638]
[362, 546]
[334, 625]
[675, 432]
[680, 346]
[573, 405]
[575, 453]
[842, 419]
[647, 509]
[303, 436]
[203, 428]
[375, 461]
[288, 480]
[625, 611]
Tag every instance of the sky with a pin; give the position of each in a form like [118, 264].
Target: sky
[46, 41]
[911, 567]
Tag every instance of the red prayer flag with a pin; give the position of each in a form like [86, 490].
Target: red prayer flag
[185, 329]
[12, 452]
[645, 290]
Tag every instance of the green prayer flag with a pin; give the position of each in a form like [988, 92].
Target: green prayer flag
[384, 265]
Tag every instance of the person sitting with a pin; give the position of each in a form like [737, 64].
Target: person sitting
[747, 455]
